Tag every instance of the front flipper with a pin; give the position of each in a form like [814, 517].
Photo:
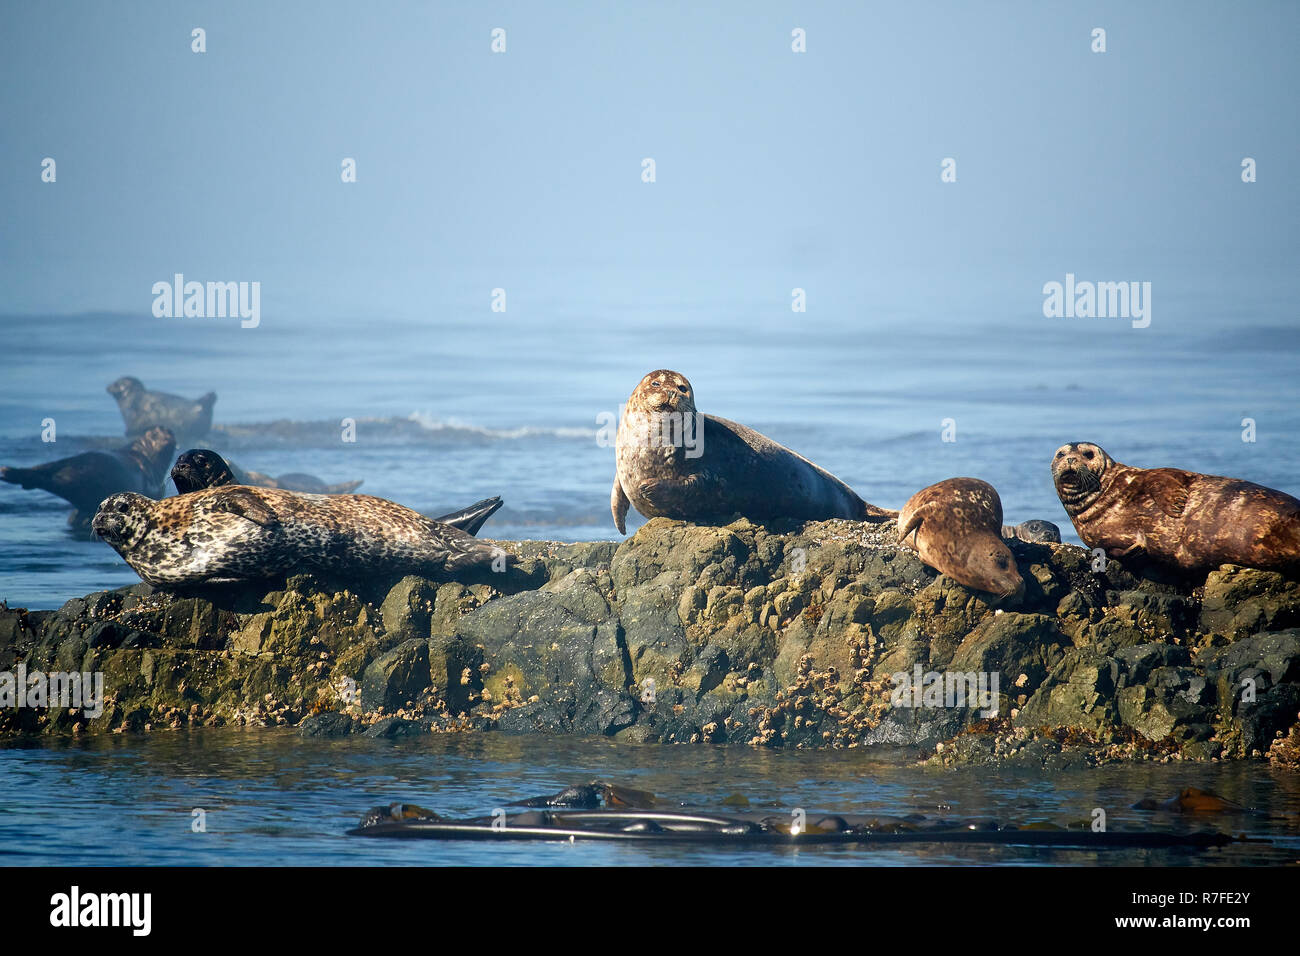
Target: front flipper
[669, 496]
[1168, 490]
[618, 505]
[246, 503]
[913, 525]
[1134, 550]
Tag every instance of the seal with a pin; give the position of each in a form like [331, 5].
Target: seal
[238, 533]
[956, 528]
[676, 463]
[142, 409]
[1034, 531]
[203, 468]
[87, 479]
[1179, 520]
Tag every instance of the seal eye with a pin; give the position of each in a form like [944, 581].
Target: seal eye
[683, 389]
[657, 385]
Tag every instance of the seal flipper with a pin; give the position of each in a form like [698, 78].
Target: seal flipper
[913, 525]
[1169, 491]
[238, 500]
[618, 505]
[471, 519]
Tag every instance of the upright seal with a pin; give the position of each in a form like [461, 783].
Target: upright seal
[141, 409]
[676, 463]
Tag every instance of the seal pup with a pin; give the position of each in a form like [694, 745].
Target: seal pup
[1034, 531]
[142, 408]
[237, 533]
[87, 479]
[203, 468]
[956, 528]
[1172, 518]
[673, 462]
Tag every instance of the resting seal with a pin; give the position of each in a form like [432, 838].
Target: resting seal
[204, 468]
[238, 533]
[142, 409]
[201, 468]
[1174, 518]
[1035, 531]
[89, 478]
[675, 463]
[956, 528]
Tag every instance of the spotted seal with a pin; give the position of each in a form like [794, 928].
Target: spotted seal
[203, 468]
[142, 408]
[87, 479]
[676, 463]
[239, 533]
[1176, 519]
[956, 528]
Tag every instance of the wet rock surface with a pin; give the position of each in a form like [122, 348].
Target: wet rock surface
[823, 634]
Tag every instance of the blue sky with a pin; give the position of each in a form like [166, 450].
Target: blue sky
[523, 169]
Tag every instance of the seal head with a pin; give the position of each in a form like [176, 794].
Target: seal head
[1078, 470]
[200, 468]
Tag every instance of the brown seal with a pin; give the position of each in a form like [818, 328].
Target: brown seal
[1174, 518]
[238, 533]
[676, 463]
[956, 528]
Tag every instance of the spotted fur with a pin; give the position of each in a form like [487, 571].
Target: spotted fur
[1176, 519]
[239, 533]
[956, 527]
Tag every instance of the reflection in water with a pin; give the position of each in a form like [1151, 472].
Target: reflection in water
[272, 798]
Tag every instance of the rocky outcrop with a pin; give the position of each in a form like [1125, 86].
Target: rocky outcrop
[817, 635]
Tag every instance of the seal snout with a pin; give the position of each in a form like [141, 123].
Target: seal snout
[107, 525]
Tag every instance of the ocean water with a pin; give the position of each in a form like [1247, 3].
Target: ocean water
[273, 798]
[472, 403]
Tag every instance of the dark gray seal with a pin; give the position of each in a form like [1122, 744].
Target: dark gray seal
[87, 479]
[1034, 531]
[238, 533]
[204, 468]
[201, 468]
[141, 409]
[676, 463]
